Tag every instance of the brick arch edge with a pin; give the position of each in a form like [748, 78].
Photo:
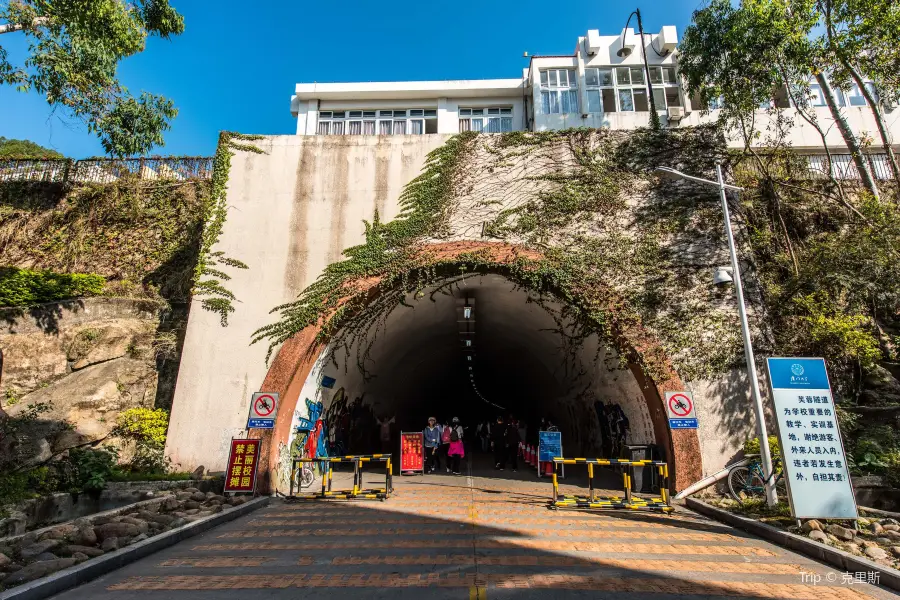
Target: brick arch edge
[295, 359]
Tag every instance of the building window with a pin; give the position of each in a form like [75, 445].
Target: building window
[624, 89]
[384, 122]
[559, 91]
[488, 120]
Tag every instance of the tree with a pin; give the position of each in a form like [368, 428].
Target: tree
[744, 53]
[74, 48]
[860, 42]
[25, 149]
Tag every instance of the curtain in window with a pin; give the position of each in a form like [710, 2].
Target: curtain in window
[659, 98]
[385, 128]
[324, 127]
[399, 127]
[506, 124]
[478, 125]
[554, 103]
[368, 127]
[355, 128]
[593, 98]
[417, 127]
[493, 125]
[573, 101]
[337, 128]
[545, 103]
[564, 102]
[465, 125]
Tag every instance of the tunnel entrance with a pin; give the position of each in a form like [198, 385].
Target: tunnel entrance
[474, 346]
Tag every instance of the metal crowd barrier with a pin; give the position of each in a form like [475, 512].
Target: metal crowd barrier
[357, 492]
[630, 501]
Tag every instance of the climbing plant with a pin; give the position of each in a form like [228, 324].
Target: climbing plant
[208, 274]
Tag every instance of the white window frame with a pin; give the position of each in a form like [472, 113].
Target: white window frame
[559, 91]
[486, 119]
[373, 122]
[622, 82]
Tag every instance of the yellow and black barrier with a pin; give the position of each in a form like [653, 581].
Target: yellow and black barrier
[357, 492]
[629, 501]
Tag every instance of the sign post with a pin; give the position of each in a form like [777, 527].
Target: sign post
[240, 475]
[263, 408]
[680, 408]
[549, 447]
[812, 452]
[412, 452]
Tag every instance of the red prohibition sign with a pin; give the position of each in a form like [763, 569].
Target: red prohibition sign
[264, 405]
[680, 405]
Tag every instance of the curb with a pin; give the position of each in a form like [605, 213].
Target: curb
[845, 561]
[101, 565]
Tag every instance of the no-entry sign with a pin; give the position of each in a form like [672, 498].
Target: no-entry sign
[680, 408]
[263, 408]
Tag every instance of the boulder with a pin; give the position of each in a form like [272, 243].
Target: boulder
[110, 544]
[85, 536]
[217, 498]
[819, 536]
[890, 527]
[102, 521]
[841, 533]
[851, 547]
[45, 556]
[80, 557]
[876, 553]
[178, 522]
[198, 497]
[876, 528]
[191, 504]
[889, 521]
[170, 503]
[192, 490]
[141, 525]
[38, 569]
[73, 549]
[215, 508]
[116, 530]
[192, 511]
[58, 533]
[139, 538]
[37, 548]
[892, 535]
[236, 500]
[14, 524]
[108, 341]
[4, 560]
[198, 473]
[811, 525]
[182, 496]
[896, 551]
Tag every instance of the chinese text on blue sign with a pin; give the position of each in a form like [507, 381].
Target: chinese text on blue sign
[815, 467]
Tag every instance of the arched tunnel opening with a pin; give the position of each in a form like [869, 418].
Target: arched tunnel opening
[476, 347]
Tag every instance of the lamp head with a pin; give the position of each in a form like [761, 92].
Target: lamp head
[624, 51]
[667, 172]
[722, 276]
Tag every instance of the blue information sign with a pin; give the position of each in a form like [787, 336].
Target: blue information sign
[683, 423]
[261, 423]
[549, 446]
[328, 382]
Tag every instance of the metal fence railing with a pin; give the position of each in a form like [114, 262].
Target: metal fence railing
[105, 170]
[815, 166]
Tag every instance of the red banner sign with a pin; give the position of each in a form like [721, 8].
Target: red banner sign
[412, 455]
[241, 473]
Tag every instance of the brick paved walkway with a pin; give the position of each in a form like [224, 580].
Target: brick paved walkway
[469, 537]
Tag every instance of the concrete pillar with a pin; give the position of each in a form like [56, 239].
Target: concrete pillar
[448, 116]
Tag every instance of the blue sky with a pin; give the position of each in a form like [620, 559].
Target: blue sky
[235, 69]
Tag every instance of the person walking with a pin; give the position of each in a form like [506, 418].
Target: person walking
[384, 433]
[511, 435]
[498, 443]
[456, 451]
[445, 444]
[432, 435]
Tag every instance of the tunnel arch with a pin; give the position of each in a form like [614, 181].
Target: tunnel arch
[295, 370]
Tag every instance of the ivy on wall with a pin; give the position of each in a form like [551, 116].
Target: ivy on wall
[208, 274]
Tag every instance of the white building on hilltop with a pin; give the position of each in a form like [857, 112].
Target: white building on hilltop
[592, 87]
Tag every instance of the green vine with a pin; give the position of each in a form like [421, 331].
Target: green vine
[208, 275]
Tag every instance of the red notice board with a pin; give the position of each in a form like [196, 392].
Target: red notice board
[412, 452]
[240, 475]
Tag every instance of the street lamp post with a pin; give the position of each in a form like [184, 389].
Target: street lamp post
[771, 496]
[624, 52]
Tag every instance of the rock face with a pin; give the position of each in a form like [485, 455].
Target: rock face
[88, 360]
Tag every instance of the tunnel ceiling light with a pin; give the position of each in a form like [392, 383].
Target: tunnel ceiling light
[468, 343]
[467, 312]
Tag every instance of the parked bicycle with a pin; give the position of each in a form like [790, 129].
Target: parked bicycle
[748, 481]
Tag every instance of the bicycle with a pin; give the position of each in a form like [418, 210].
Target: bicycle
[750, 481]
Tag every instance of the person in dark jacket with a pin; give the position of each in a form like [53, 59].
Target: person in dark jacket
[511, 434]
[498, 443]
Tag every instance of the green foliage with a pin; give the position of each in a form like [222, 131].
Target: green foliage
[847, 339]
[147, 429]
[24, 287]
[217, 298]
[73, 51]
[92, 467]
[25, 149]
[751, 446]
[151, 476]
